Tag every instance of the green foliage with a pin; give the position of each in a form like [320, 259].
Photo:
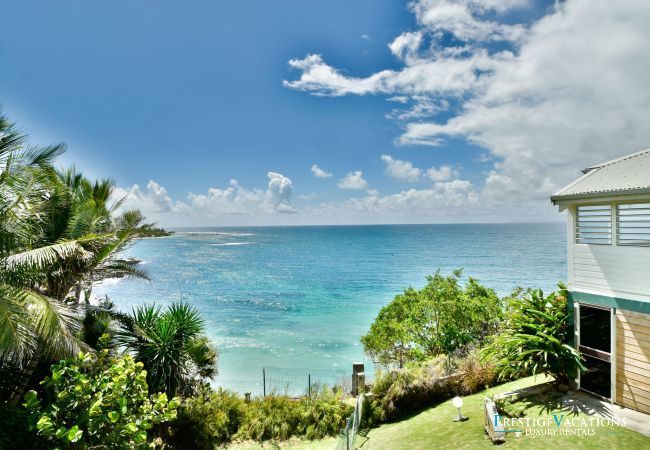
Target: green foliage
[99, 401]
[206, 419]
[149, 230]
[438, 319]
[419, 385]
[58, 234]
[402, 391]
[510, 407]
[279, 418]
[170, 344]
[18, 429]
[534, 338]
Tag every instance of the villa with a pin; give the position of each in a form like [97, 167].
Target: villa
[608, 237]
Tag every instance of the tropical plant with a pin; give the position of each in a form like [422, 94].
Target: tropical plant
[171, 345]
[207, 419]
[438, 319]
[59, 233]
[279, 418]
[27, 317]
[534, 338]
[100, 401]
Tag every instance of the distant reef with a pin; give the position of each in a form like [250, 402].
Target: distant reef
[151, 231]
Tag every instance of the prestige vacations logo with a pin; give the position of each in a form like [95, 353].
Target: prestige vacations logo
[556, 424]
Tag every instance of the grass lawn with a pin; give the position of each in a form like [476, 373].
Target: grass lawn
[434, 429]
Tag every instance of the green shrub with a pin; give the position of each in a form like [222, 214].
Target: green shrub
[19, 429]
[443, 316]
[279, 418]
[99, 401]
[510, 407]
[403, 391]
[534, 338]
[417, 386]
[475, 372]
[207, 419]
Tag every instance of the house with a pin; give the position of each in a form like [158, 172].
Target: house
[608, 237]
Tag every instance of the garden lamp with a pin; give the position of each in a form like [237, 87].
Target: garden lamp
[458, 403]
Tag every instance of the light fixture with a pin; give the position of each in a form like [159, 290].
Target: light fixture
[458, 403]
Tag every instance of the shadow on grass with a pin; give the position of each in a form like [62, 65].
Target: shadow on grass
[573, 404]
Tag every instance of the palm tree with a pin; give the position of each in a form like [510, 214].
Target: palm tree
[59, 233]
[170, 344]
[26, 316]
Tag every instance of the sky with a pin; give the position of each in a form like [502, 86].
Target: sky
[291, 112]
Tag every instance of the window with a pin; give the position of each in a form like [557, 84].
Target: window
[594, 224]
[633, 224]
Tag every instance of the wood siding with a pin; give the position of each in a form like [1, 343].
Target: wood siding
[610, 269]
[633, 360]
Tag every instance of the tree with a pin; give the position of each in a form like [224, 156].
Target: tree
[28, 318]
[59, 233]
[534, 338]
[438, 319]
[100, 401]
[171, 344]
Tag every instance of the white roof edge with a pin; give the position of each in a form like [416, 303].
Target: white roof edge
[570, 185]
[612, 161]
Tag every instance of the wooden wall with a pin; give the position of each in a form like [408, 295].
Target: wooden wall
[633, 360]
[611, 269]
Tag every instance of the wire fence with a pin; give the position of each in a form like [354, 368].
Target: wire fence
[290, 382]
[350, 434]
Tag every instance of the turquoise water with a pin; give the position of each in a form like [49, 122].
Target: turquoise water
[300, 297]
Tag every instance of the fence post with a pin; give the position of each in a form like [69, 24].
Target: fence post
[309, 384]
[357, 368]
[264, 380]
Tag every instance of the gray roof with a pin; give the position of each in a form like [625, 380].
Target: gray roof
[627, 175]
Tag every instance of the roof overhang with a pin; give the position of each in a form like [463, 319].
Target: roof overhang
[598, 197]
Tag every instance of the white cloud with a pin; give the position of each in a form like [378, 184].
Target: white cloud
[444, 201]
[353, 180]
[557, 97]
[319, 173]
[442, 173]
[401, 170]
[154, 199]
[216, 204]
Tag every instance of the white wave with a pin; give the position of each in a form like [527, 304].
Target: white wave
[229, 244]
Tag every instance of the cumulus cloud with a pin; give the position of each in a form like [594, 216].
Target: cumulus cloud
[444, 201]
[401, 170]
[353, 180]
[153, 199]
[553, 96]
[280, 191]
[232, 200]
[320, 173]
[442, 173]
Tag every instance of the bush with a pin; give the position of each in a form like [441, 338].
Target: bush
[20, 429]
[206, 419]
[510, 407]
[534, 338]
[279, 418]
[438, 319]
[417, 386]
[475, 372]
[99, 401]
[403, 391]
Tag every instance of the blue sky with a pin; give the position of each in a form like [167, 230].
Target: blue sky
[189, 96]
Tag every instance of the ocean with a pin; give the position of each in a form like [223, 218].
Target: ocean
[295, 300]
